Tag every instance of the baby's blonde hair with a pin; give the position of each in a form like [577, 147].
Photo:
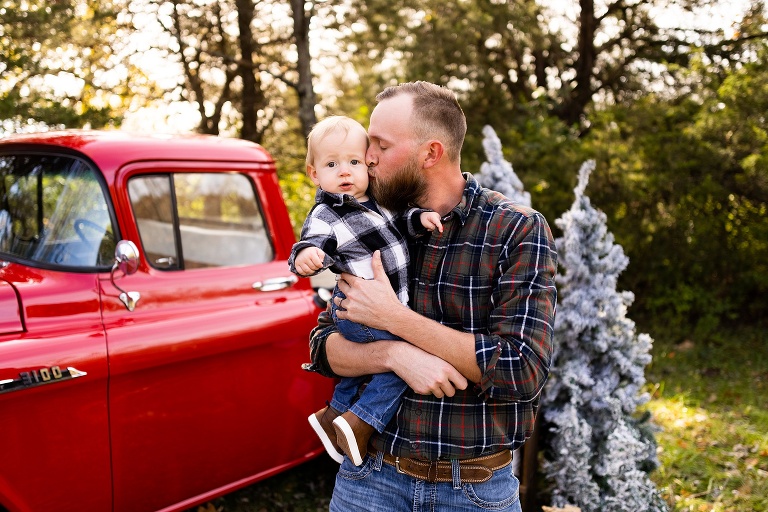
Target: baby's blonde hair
[326, 126]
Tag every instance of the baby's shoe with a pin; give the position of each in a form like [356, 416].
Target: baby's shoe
[352, 435]
[322, 423]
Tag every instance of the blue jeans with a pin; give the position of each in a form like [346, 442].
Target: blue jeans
[377, 487]
[380, 399]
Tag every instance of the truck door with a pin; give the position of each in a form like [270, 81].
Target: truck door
[54, 437]
[206, 389]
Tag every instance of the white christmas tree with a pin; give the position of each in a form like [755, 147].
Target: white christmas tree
[600, 451]
[497, 174]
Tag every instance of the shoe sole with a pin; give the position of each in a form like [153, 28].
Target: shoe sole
[352, 449]
[327, 444]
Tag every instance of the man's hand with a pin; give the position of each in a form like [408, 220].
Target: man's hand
[424, 373]
[371, 302]
[309, 261]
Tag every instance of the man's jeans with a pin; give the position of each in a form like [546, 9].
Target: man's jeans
[377, 487]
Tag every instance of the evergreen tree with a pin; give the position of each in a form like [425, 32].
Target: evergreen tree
[600, 451]
[497, 174]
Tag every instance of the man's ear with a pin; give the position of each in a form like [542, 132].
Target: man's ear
[433, 152]
[312, 173]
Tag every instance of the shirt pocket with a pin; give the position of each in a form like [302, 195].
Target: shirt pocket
[464, 301]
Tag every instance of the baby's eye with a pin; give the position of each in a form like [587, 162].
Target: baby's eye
[355, 161]
[331, 164]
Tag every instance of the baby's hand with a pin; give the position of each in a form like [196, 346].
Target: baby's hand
[431, 221]
[309, 261]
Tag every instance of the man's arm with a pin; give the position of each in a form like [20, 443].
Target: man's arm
[425, 373]
[334, 356]
[511, 360]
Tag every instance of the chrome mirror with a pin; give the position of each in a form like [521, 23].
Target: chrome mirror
[127, 261]
[126, 257]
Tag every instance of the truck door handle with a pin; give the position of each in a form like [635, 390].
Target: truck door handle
[275, 283]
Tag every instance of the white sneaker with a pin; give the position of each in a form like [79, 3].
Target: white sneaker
[321, 422]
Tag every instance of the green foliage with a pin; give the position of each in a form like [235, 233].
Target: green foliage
[287, 146]
[299, 195]
[61, 67]
[696, 238]
[544, 152]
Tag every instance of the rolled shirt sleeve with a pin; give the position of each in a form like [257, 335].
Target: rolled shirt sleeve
[516, 353]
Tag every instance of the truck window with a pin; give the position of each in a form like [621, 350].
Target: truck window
[198, 220]
[54, 212]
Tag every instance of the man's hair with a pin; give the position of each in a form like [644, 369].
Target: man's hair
[326, 126]
[436, 114]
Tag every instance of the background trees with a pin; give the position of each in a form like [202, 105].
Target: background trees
[671, 109]
[64, 63]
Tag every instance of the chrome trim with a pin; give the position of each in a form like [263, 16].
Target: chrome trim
[275, 283]
[39, 377]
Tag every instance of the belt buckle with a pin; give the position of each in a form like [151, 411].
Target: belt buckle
[397, 466]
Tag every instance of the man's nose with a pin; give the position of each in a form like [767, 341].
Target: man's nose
[370, 159]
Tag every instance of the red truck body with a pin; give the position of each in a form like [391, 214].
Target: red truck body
[195, 391]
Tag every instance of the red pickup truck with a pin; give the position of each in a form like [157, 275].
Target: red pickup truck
[151, 334]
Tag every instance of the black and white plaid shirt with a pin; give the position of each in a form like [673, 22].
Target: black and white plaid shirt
[349, 232]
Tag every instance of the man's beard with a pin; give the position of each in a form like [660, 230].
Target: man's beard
[402, 189]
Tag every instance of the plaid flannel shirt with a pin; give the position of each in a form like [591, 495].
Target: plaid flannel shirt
[491, 273]
[349, 233]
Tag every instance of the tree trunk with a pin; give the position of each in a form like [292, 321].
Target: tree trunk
[306, 92]
[584, 67]
[251, 92]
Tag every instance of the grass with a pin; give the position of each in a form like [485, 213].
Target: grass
[709, 399]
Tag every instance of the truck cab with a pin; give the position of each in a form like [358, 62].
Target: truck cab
[151, 333]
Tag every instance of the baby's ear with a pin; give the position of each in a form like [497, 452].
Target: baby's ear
[312, 173]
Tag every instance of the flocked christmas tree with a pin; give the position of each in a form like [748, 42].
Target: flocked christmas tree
[497, 174]
[600, 451]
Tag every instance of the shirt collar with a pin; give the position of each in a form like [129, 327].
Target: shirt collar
[471, 190]
[332, 199]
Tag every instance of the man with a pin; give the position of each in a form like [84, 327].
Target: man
[479, 334]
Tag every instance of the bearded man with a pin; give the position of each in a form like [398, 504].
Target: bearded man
[478, 334]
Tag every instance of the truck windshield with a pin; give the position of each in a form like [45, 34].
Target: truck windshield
[53, 212]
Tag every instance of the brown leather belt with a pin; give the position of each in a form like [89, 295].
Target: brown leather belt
[474, 470]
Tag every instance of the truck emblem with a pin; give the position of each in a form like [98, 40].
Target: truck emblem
[39, 377]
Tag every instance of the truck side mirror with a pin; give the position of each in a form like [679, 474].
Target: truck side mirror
[127, 261]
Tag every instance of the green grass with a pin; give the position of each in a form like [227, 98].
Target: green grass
[709, 398]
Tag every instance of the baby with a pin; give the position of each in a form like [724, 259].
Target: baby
[342, 231]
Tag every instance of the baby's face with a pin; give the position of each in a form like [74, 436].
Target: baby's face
[339, 164]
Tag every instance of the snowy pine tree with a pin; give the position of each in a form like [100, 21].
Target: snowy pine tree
[599, 451]
[497, 174]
